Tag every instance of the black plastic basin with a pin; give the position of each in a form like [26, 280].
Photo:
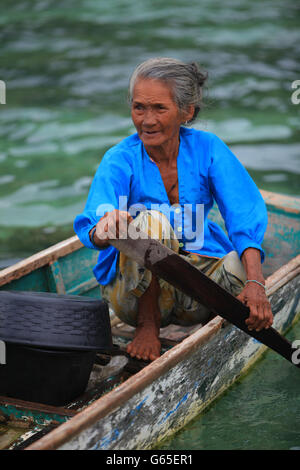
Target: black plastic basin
[51, 343]
[45, 376]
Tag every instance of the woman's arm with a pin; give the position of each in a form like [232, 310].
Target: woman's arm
[253, 294]
[110, 183]
[239, 200]
[245, 215]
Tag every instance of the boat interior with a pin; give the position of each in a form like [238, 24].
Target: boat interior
[56, 270]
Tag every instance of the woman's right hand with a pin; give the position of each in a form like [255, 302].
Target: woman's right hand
[111, 226]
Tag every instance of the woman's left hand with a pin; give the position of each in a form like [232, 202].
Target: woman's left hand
[254, 296]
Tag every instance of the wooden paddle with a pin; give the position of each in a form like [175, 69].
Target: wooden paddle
[171, 267]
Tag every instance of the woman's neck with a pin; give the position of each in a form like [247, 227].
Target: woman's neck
[164, 154]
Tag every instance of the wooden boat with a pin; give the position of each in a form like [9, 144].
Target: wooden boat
[130, 404]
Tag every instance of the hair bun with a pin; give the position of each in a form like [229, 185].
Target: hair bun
[200, 76]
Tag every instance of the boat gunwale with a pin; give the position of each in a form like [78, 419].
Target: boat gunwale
[139, 381]
[40, 259]
[281, 202]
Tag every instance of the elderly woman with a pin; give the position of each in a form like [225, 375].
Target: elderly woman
[165, 165]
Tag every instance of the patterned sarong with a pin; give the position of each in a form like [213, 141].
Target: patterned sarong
[132, 280]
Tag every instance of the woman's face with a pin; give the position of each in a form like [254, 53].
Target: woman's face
[155, 114]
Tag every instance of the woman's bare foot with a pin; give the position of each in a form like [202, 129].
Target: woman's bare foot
[146, 344]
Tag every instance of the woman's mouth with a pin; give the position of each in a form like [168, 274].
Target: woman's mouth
[150, 133]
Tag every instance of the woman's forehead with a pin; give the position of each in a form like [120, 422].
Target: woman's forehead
[152, 90]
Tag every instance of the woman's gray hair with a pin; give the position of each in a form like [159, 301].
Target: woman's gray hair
[185, 80]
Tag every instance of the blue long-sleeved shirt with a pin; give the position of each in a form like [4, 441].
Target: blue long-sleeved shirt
[207, 171]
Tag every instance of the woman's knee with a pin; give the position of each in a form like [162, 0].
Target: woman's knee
[234, 266]
[233, 276]
[157, 226]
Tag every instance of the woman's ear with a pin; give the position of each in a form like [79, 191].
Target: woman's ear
[188, 113]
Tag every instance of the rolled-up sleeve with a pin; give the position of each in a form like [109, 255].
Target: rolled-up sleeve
[112, 180]
[238, 198]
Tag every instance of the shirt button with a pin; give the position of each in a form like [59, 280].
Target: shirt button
[177, 210]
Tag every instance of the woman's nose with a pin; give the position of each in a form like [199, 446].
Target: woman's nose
[149, 118]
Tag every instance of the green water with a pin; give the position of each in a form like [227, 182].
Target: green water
[259, 412]
[66, 66]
